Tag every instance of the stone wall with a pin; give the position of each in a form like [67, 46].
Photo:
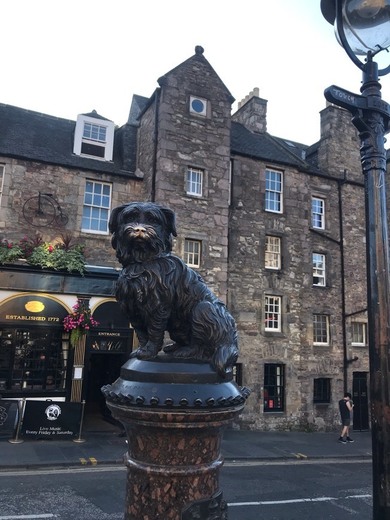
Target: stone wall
[186, 139]
[24, 179]
[249, 282]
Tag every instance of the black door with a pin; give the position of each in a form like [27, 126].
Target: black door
[360, 401]
[103, 369]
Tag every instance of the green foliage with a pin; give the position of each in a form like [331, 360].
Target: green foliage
[9, 252]
[55, 257]
[63, 256]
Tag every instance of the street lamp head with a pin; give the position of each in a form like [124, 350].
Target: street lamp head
[362, 26]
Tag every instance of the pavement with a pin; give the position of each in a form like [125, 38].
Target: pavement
[108, 447]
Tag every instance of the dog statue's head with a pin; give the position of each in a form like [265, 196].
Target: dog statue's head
[141, 231]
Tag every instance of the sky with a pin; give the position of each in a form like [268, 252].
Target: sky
[65, 58]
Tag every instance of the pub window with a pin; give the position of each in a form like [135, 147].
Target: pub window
[273, 387]
[321, 390]
[32, 359]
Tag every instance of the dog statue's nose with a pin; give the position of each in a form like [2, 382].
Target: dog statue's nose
[139, 229]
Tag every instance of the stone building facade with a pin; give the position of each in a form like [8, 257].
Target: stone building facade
[276, 228]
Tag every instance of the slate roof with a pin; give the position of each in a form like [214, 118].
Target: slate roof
[138, 105]
[29, 135]
[268, 148]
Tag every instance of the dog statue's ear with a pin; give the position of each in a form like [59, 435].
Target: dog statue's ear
[171, 220]
[113, 223]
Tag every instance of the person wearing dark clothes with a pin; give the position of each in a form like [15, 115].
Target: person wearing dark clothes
[345, 406]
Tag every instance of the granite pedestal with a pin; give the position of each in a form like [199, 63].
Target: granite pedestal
[174, 413]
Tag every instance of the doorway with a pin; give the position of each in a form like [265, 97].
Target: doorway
[103, 368]
[360, 401]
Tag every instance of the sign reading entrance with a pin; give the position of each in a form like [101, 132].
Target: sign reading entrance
[51, 420]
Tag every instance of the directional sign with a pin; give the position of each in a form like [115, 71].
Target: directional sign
[345, 99]
[354, 102]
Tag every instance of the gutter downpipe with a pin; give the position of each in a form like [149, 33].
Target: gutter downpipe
[343, 313]
[155, 142]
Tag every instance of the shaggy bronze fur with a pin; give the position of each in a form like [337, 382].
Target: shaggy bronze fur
[159, 292]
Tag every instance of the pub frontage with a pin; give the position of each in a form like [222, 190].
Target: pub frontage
[37, 359]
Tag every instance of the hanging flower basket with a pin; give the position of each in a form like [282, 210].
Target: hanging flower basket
[79, 322]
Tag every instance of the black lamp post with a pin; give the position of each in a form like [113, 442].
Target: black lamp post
[363, 28]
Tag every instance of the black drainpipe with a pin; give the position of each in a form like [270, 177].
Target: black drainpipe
[155, 142]
[343, 313]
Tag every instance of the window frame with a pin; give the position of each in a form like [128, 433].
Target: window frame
[271, 252]
[100, 208]
[187, 255]
[272, 309]
[189, 182]
[364, 333]
[322, 390]
[107, 146]
[327, 329]
[95, 128]
[192, 111]
[273, 196]
[274, 392]
[315, 215]
[319, 271]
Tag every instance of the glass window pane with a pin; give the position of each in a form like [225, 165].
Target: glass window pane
[273, 191]
[194, 181]
[273, 387]
[96, 206]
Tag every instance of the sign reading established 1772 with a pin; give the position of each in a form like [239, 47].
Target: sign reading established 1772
[51, 420]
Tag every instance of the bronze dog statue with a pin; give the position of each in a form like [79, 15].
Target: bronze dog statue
[159, 292]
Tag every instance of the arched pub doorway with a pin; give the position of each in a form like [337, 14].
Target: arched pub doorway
[108, 347]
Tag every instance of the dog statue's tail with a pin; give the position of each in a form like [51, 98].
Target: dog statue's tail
[224, 359]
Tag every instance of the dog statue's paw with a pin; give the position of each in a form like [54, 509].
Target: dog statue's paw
[148, 351]
[184, 352]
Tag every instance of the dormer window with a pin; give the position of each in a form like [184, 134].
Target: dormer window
[94, 137]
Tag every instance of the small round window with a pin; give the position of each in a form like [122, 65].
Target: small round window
[197, 106]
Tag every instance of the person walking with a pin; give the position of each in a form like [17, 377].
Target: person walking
[345, 407]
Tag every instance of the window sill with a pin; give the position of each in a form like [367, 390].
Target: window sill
[271, 334]
[195, 196]
[91, 232]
